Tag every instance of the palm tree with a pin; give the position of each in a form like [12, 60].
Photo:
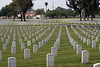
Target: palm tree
[46, 4]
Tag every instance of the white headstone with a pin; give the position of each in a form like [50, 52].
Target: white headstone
[20, 40]
[89, 35]
[29, 36]
[92, 37]
[50, 60]
[88, 42]
[25, 38]
[79, 49]
[40, 44]
[26, 53]
[35, 48]
[54, 51]
[13, 43]
[28, 43]
[85, 56]
[43, 42]
[7, 41]
[81, 38]
[0, 55]
[32, 34]
[93, 43]
[4, 47]
[11, 62]
[22, 46]
[33, 40]
[96, 65]
[99, 47]
[75, 45]
[97, 39]
[37, 38]
[13, 49]
[84, 40]
[2, 39]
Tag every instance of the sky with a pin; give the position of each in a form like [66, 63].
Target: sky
[39, 3]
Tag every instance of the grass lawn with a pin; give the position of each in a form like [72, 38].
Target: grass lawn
[66, 55]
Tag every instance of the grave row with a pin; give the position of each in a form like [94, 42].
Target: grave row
[84, 53]
[54, 49]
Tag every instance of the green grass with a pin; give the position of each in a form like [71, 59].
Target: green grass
[66, 56]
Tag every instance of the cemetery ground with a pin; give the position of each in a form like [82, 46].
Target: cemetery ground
[40, 30]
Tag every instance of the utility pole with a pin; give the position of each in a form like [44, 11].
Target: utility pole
[53, 5]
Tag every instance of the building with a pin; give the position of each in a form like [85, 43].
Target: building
[39, 17]
[30, 13]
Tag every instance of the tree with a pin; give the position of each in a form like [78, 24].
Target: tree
[40, 11]
[46, 4]
[88, 7]
[5, 11]
[92, 8]
[77, 5]
[59, 12]
[70, 12]
[14, 8]
[24, 5]
[0, 13]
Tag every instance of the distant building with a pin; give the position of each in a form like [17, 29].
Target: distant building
[30, 13]
[39, 17]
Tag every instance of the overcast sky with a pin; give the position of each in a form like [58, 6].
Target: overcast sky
[40, 3]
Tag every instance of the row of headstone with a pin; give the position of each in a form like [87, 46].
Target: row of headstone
[95, 33]
[56, 44]
[85, 53]
[50, 57]
[84, 39]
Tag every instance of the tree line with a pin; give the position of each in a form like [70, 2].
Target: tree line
[16, 7]
[87, 7]
[84, 8]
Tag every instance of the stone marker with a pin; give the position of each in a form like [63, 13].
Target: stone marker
[11, 62]
[84, 40]
[43, 42]
[96, 65]
[25, 38]
[26, 53]
[89, 35]
[0, 55]
[81, 38]
[88, 41]
[35, 48]
[22, 46]
[8, 36]
[50, 60]
[40, 44]
[7, 41]
[97, 39]
[4, 47]
[85, 56]
[13, 43]
[32, 34]
[20, 40]
[99, 47]
[93, 43]
[79, 49]
[13, 49]
[37, 38]
[75, 45]
[92, 37]
[33, 40]
[54, 51]
[2, 39]
[29, 36]
[28, 43]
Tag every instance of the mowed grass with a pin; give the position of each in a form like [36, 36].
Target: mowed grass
[66, 56]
